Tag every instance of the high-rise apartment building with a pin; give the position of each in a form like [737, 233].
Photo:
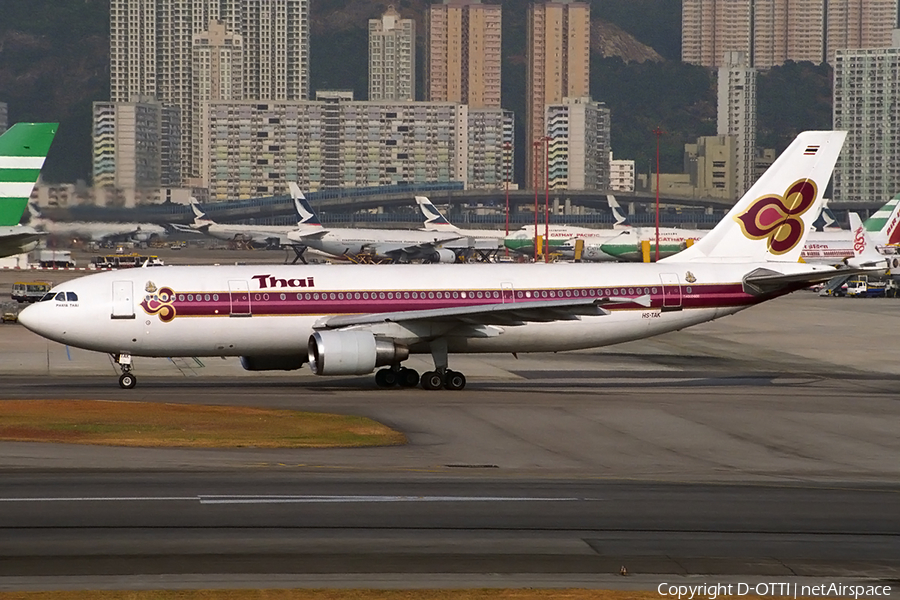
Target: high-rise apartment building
[855, 24]
[709, 28]
[4, 117]
[217, 73]
[392, 57]
[774, 31]
[867, 105]
[786, 30]
[579, 144]
[558, 48]
[152, 43]
[490, 133]
[136, 145]
[253, 148]
[462, 53]
[276, 48]
[737, 116]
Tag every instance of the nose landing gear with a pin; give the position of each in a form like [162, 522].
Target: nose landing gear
[127, 380]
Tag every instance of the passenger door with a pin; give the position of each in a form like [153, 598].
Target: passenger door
[240, 298]
[122, 300]
[671, 288]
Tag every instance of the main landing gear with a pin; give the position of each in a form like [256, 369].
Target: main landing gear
[397, 375]
[441, 377]
[127, 380]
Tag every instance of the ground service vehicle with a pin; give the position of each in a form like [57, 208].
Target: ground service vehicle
[870, 286]
[29, 291]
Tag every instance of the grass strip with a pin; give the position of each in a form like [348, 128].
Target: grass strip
[161, 425]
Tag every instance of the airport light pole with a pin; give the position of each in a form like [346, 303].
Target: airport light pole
[534, 176]
[507, 148]
[658, 132]
[547, 199]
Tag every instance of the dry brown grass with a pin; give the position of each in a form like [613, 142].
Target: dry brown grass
[150, 424]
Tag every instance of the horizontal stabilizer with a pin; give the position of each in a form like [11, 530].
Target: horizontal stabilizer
[761, 281]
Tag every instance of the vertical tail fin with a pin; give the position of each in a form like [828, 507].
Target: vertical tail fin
[434, 220]
[826, 220]
[865, 254]
[23, 148]
[767, 223]
[200, 218]
[306, 216]
[884, 225]
[621, 220]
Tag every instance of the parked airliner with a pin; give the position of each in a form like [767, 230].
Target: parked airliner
[562, 238]
[830, 246]
[349, 320]
[23, 148]
[259, 236]
[358, 244]
[96, 231]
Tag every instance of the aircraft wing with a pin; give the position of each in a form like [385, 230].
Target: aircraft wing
[510, 313]
[15, 242]
[395, 251]
[186, 228]
[311, 232]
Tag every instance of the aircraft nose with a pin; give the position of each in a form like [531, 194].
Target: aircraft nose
[27, 317]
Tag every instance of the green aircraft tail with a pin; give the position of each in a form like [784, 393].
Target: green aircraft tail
[23, 148]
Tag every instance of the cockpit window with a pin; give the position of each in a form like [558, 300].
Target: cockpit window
[48, 296]
[61, 297]
[71, 296]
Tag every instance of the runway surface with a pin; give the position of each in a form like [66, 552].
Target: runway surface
[763, 444]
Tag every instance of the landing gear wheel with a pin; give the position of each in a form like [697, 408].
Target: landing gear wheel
[386, 378]
[454, 380]
[127, 381]
[432, 380]
[408, 377]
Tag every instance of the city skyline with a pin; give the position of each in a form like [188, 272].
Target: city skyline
[190, 150]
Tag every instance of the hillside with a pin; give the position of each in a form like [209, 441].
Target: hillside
[54, 62]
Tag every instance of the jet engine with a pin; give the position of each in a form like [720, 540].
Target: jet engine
[442, 255]
[351, 352]
[290, 362]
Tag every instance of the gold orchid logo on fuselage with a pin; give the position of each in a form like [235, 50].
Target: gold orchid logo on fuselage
[777, 218]
[159, 302]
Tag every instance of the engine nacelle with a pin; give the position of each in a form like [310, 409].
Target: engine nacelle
[290, 362]
[351, 352]
[442, 255]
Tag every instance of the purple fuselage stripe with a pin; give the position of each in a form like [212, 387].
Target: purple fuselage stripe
[300, 303]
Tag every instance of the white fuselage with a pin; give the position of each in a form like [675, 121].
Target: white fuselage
[271, 310]
[346, 241]
[255, 233]
[96, 231]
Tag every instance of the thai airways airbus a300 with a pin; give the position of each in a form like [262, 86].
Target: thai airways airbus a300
[347, 320]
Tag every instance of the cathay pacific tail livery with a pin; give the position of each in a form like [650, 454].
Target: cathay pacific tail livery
[23, 148]
[347, 320]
